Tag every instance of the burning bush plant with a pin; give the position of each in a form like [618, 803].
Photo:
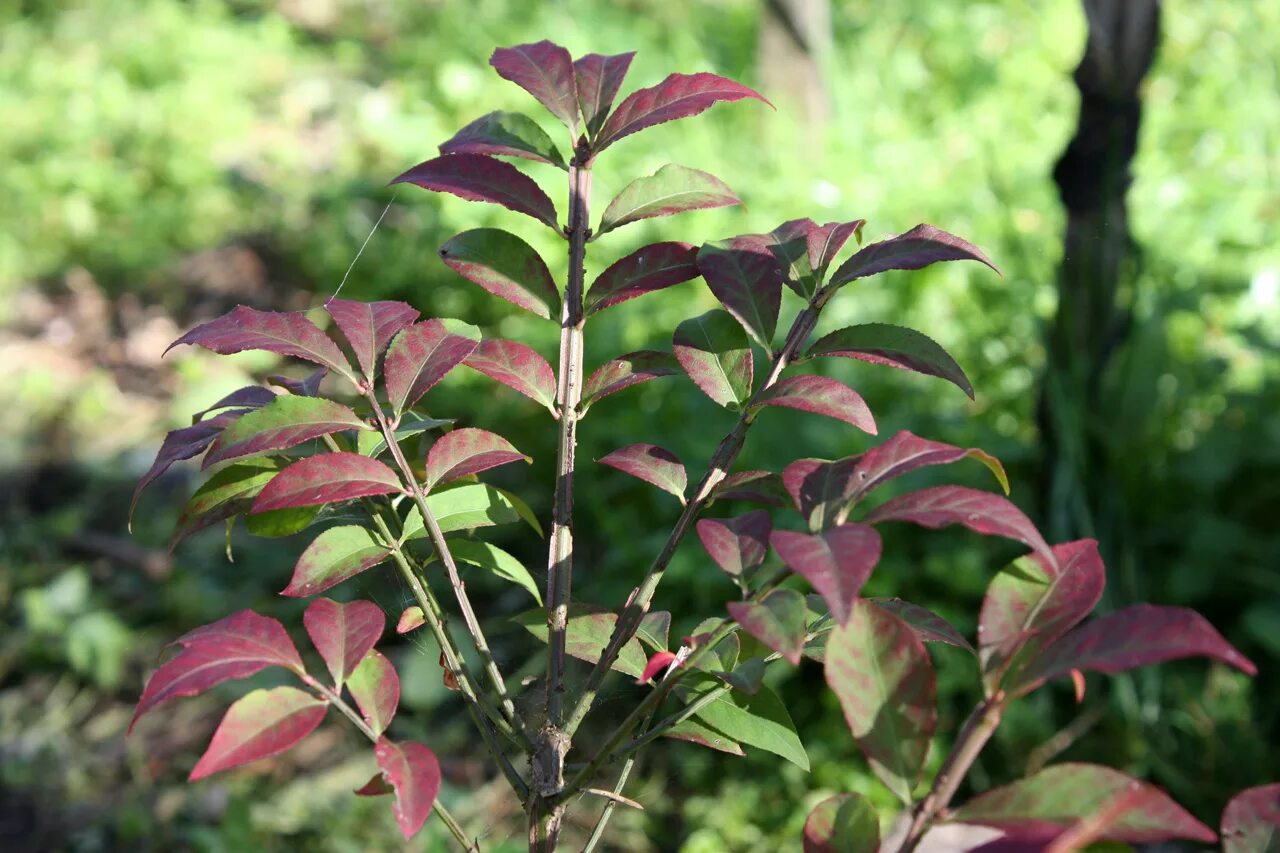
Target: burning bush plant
[398, 491]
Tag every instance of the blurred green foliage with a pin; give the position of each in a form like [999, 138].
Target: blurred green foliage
[139, 133]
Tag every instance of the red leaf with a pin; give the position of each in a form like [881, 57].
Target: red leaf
[1065, 793]
[369, 327]
[653, 267]
[411, 619]
[821, 490]
[762, 487]
[234, 647]
[807, 249]
[334, 556]
[327, 478]
[285, 422]
[836, 563]
[625, 371]
[598, 79]
[1251, 821]
[981, 512]
[917, 248]
[182, 444]
[879, 670]
[1030, 604]
[820, 396]
[928, 625]
[737, 544]
[777, 620]
[475, 177]
[375, 787]
[500, 134]
[658, 663]
[893, 346]
[678, 96]
[747, 279]
[516, 366]
[343, 633]
[414, 772]
[904, 453]
[504, 265]
[308, 386]
[286, 333]
[544, 70]
[671, 189]
[652, 464]
[715, 354]
[1141, 635]
[249, 397]
[845, 823]
[421, 355]
[376, 688]
[468, 451]
[258, 725]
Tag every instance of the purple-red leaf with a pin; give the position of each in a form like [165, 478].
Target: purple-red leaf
[737, 544]
[468, 451]
[845, 823]
[307, 386]
[649, 268]
[1030, 604]
[182, 444]
[762, 487]
[410, 620]
[1141, 635]
[658, 663]
[893, 346]
[819, 395]
[421, 355]
[235, 647]
[625, 371]
[327, 478]
[377, 786]
[777, 620]
[260, 724]
[502, 134]
[929, 626]
[807, 249]
[821, 490]
[917, 248]
[671, 189]
[678, 96]
[879, 670]
[376, 688]
[904, 453]
[1251, 821]
[249, 397]
[544, 70]
[286, 333]
[285, 422]
[516, 366]
[981, 512]
[1065, 793]
[369, 327]
[652, 464]
[414, 772]
[598, 79]
[714, 352]
[475, 177]
[747, 279]
[836, 563]
[335, 555]
[343, 633]
[506, 266]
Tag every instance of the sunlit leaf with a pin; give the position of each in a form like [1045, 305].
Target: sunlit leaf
[836, 563]
[335, 555]
[671, 189]
[327, 478]
[649, 268]
[777, 620]
[845, 823]
[494, 559]
[343, 633]
[506, 266]
[466, 451]
[587, 633]
[421, 355]
[678, 96]
[282, 332]
[501, 134]
[1251, 821]
[467, 507]
[819, 395]
[285, 422]
[414, 773]
[369, 327]
[475, 177]
[258, 725]
[598, 80]
[714, 352]
[228, 493]
[516, 366]
[761, 720]
[375, 686]
[653, 464]
[912, 250]
[625, 371]
[737, 544]
[544, 70]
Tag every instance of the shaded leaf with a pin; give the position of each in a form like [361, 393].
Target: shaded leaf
[777, 620]
[658, 664]
[763, 487]
[649, 268]
[411, 619]
[653, 464]
[747, 279]
[307, 386]
[369, 327]
[713, 351]
[893, 346]
[929, 626]
[249, 397]
[343, 633]
[654, 628]
[819, 395]
[377, 786]
[836, 563]
[374, 444]
[516, 366]
[693, 731]
[544, 70]
[504, 265]
[226, 494]
[586, 635]
[414, 773]
[912, 250]
[502, 134]
[747, 676]
[335, 555]
[281, 522]
[421, 355]
[327, 478]
[821, 490]
[845, 823]
[880, 672]
[671, 189]
[375, 686]
[761, 720]
[678, 96]
[182, 444]
[261, 724]
[494, 559]
[1251, 821]
[598, 79]
[468, 451]
[625, 371]
[467, 507]
[475, 177]
[737, 544]
[1068, 792]
[285, 422]
[235, 647]
[282, 332]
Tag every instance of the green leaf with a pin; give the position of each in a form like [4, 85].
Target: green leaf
[713, 350]
[496, 560]
[845, 823]
[467, 507]
[505, 134]
[893, 346]
[586, 635]
[761, 720]
[278, 523]
[671, 189]
[337, 554]
[228, 493]
[287, 421]
[373, 444]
